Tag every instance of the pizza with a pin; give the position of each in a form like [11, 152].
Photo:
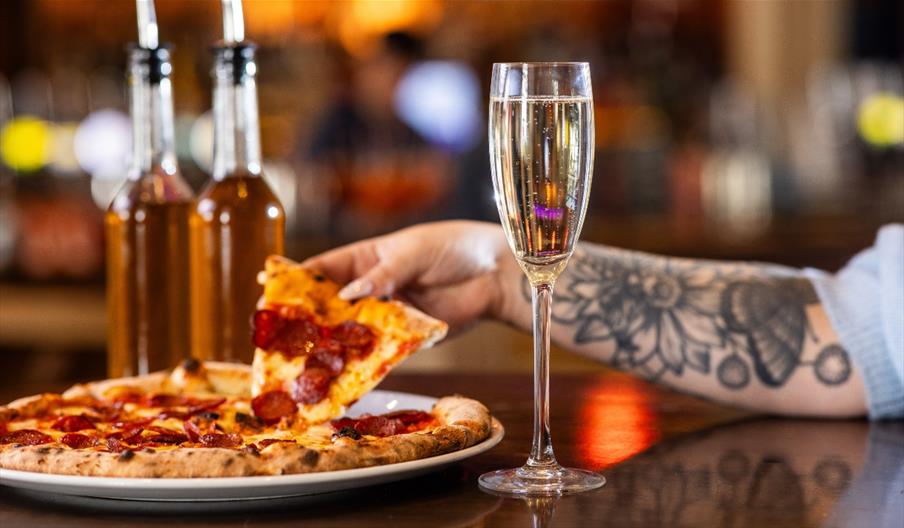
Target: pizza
[321, 352]
[200, 420]
[315, 355]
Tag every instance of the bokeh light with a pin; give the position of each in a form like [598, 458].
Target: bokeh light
[364, 21]
[25, 143]
[102, 143]
[880, 119]
[441, 101]
[201, 142]
[62, 149]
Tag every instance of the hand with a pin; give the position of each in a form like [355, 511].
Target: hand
[456, 271]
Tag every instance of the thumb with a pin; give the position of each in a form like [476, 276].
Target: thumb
[385, 278]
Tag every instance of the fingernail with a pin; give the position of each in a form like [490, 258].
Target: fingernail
[356, 289]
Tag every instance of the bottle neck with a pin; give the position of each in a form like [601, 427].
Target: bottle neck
[236, 132]
[151, 105]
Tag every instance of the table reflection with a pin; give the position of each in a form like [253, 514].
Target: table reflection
[772, 473]
[764, 472]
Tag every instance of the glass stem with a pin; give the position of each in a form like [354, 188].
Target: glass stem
[541, 454]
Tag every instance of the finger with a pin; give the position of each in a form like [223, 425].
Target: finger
[387, 277]
[345, 263]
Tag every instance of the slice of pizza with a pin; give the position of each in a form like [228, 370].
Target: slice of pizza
[318, 353]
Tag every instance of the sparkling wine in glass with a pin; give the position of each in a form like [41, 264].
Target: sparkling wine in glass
[541, 153]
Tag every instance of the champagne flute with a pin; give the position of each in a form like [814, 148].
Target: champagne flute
[541, 152]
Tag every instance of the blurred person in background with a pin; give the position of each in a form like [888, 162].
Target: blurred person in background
[382, 172]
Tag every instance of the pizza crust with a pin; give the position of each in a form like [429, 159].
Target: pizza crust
[209, 377]
[464, 422]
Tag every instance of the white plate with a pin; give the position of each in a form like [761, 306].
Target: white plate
[245, 488]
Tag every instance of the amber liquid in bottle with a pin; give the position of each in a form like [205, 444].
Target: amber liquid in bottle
[238, 221]
[147, 234]
[147, 284]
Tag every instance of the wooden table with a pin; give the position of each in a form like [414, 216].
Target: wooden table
[671, 460]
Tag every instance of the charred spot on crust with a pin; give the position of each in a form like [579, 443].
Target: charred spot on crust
[149, 450]
[43, 450]
[252, 450]
[228, 462]
[126, 455]
[384, 298]
[319, 278]
[347, 432]
[248, 420]
[191, 365]
[310, 457]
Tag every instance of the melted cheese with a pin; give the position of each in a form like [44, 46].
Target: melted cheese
[287, 284]
[317, 437]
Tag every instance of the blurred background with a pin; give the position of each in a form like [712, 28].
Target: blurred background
[764, 130]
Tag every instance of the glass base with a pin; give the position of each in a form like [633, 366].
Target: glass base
[529, 480]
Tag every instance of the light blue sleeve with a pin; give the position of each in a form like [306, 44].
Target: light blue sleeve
[865, 303]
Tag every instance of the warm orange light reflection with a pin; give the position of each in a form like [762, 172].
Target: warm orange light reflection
[271, 17]
[362, 22]
[616, 422]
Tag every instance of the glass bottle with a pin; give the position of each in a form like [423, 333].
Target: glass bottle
[147, 233]
[238, 220]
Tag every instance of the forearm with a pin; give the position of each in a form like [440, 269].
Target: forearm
[746, 334]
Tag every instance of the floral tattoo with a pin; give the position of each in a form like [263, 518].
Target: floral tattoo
[663, 315]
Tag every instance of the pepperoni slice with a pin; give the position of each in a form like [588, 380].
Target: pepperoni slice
[273, 405]
[173, 413]
[410, 417]
[127, 436]
[138, 423]
[328, 357]
[384, 425]
[25, 437]
[379, 426]
[162, 430]
[191, 430]
[357, 339]
[267, 324]
[205, 405]
[3, 428]
[297, 337]
[221, 440]
[274, 331]
[166, 400]
[106, 414]
[312, 385]
[267, 441]
[115, 445]
[71, 424]
[78, 441]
